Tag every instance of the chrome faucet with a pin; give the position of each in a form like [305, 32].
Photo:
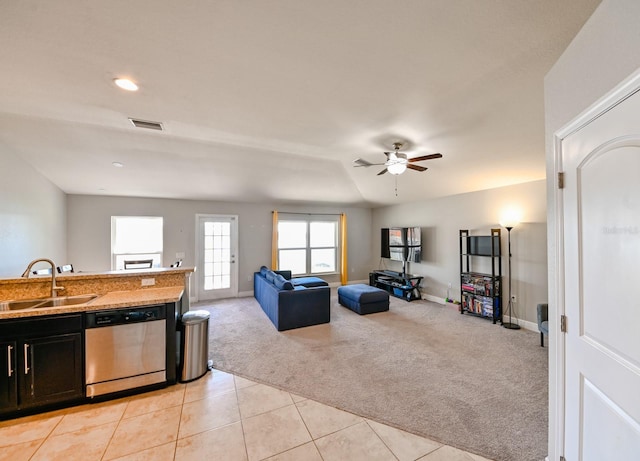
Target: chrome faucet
[54, 287]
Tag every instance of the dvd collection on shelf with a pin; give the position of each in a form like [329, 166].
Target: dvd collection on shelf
[480, 284]
[478, 305]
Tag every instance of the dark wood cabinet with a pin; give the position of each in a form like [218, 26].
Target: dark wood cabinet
[42, 363]
[53, 370]
[8, 376]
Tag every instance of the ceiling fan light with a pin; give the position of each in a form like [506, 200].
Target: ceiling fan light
[126, 84]
[396, 168]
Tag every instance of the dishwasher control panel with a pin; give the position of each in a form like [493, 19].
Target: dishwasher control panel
[123, 316]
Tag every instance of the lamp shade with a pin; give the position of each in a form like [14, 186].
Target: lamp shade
[510, 218]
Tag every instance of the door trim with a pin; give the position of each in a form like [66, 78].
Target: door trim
[234, 267]
[557, 383]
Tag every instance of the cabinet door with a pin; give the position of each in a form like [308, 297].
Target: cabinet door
[8, 373]
[53, 369]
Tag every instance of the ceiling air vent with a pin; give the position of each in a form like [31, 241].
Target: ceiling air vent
[146, 124]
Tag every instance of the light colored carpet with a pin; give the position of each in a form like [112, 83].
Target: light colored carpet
[421, 367]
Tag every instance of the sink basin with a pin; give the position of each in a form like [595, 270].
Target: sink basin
[67, 301]
[46, 302]
[19, 305]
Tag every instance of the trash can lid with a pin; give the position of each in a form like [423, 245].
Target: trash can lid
[195, 317]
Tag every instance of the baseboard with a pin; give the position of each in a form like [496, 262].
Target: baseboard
[350, 282]
[531, 326]
[434, 299]
[245, 294]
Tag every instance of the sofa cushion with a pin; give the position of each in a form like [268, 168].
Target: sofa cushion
[309, 282]
[264, 270]
[281, 283]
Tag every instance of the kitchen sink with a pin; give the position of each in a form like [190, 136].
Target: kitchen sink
[45, 302]
[19, 305]
[67, 301]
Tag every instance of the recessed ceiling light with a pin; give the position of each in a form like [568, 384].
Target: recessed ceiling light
[126, 84]
[118, 164]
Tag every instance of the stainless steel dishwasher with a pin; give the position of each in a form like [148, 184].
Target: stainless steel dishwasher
[125, 349]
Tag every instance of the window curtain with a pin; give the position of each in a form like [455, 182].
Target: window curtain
[344, 272]
[274, 242]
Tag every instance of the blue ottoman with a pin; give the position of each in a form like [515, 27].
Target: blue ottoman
[308, 282]
[363, 299]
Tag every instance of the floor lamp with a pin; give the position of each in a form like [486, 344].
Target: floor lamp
[510, 325]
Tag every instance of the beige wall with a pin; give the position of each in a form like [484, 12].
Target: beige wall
[89, 235]
[602, 55]
[441, 219]
[32, 216]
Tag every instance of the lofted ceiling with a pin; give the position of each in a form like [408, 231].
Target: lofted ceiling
[272, 101]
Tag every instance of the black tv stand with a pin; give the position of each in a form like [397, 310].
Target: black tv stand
[398, 284]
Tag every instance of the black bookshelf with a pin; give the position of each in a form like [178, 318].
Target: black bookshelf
[481, 290]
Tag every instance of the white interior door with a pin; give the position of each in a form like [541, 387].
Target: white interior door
[217, 273]
[601, 244]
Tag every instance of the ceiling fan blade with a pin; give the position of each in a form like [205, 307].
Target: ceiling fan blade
[382, 172]
[361, 162]
[424, 157]
[416, 167]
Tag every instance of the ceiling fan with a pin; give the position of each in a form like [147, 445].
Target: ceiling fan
[397, 162]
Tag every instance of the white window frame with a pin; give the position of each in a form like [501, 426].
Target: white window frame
[308, 219]
[156, 255]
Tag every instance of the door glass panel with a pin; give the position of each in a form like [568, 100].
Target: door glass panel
[217, 255]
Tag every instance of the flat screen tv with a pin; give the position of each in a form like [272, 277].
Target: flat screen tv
[481, 245]
[401, 244]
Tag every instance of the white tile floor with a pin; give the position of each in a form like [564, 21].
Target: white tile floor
[218, 417]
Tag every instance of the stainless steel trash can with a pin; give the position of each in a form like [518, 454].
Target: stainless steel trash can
[194, 345]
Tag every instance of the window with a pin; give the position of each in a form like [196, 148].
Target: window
[308, 245]
[135, 238]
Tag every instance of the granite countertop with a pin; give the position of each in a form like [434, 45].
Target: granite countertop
[111, 300]
[101, 275]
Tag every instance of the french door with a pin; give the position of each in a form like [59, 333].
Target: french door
[217, 248]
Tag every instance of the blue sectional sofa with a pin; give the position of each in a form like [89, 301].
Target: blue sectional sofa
[289, 306]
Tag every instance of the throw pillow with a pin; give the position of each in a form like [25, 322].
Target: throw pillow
[282, 284]
[270, 276]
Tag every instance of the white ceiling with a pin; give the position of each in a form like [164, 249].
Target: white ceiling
[271, 101]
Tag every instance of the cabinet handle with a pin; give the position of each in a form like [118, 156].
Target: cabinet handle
[26, 360]
[9, 364]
